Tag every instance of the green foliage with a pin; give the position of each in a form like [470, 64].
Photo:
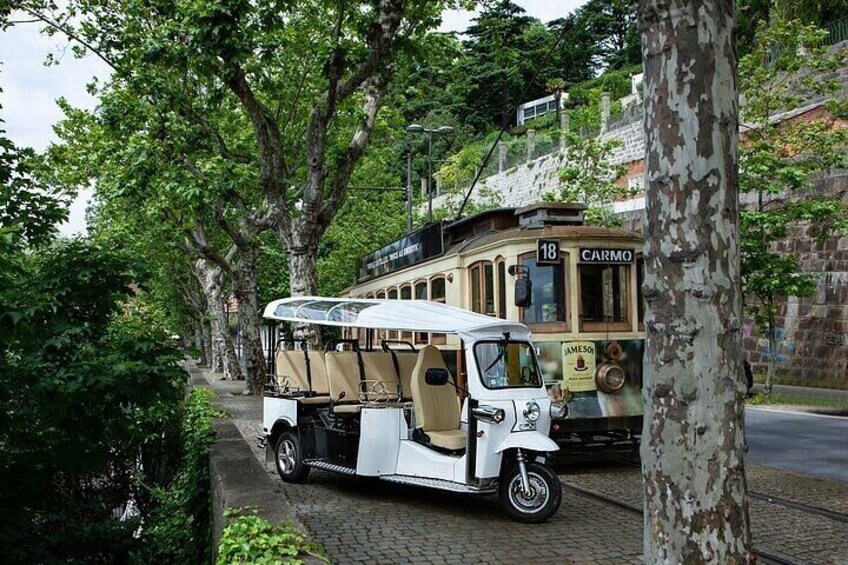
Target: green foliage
[780, 158]
[177, 529]
[28, 208]
[91, 393]
[250, 539]
[588, 177]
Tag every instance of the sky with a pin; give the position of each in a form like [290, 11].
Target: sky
[30, 89]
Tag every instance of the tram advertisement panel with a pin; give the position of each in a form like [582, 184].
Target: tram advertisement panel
[418, 246]
[571, 370]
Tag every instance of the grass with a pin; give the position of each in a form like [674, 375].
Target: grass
[827, 404]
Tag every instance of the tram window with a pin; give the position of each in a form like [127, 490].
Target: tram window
[603, 296]
[489, 288]
[501, 289]
[392, 294]
[421, 290]
[483, 288]
[437, 294]
[421, 294]
[381, 334]
[548, 305]
[406, 294]
[640, 280]
[476, 295]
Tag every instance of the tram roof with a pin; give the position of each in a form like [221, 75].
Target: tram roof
[405, 315]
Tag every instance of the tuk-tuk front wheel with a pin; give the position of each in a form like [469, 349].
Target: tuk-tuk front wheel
[289, 458]
[536, 505]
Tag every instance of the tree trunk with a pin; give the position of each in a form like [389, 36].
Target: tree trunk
[200, 341]
[224, 359]
[696, 507]
[772, 359]
[303, 281]
[247, 291]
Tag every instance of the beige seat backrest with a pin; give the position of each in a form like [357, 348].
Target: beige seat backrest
[406, 364]
[343, 375]
[318, 367]
[291, 369]
[379, 366]
[436, 408]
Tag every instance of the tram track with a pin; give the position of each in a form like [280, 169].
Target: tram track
[786, 502]
[764, 556]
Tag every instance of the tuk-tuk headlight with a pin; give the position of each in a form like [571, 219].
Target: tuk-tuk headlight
[532, 411]
[489, 414]
[558, 410]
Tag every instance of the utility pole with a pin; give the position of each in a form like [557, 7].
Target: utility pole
[409, 191]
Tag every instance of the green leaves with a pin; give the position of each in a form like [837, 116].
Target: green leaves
[781, 157]
[588, 177]
[251, 539]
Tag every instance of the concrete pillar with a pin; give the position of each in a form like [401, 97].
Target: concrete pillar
[502, 149]
[531, 144]
[437, 184]
[605, 112]
[424, 188]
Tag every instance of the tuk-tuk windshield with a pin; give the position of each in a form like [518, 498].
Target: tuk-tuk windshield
[507, 364]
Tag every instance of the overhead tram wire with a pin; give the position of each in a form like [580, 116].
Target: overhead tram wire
[505, 122]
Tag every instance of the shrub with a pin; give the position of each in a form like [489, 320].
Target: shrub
[254, 540]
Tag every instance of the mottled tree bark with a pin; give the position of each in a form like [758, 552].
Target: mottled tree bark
[696, 508]
[245, 287]
[224, 359]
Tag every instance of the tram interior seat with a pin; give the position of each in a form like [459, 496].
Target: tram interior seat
[437, 412]
[292, 371]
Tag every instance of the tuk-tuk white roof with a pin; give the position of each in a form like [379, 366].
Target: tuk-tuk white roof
[406, 315]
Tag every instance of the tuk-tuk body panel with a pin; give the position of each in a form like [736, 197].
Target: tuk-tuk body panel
[381, 432]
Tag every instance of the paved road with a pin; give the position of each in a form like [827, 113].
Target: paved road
[805, 443]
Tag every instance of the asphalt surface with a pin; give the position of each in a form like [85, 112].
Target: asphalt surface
[804, 443]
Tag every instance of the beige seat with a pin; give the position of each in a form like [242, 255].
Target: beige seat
[380, 368]
[436, 409]
[292, 371]
[343, 378]
[406, 361]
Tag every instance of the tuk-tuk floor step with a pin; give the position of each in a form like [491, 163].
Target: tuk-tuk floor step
[436, 483]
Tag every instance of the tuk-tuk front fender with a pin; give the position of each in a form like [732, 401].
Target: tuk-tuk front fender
[532, 441]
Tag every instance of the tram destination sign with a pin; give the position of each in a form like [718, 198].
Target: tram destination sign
[605, 255]
[418, 246]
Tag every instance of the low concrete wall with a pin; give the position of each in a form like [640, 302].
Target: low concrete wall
[240, 481]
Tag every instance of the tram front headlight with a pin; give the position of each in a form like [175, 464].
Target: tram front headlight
[532, 411]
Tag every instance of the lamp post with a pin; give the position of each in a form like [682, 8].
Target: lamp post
[441, 130]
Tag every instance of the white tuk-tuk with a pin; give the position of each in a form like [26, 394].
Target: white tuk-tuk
[396, 414]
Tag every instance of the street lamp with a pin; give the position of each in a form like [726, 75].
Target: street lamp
[441, 130]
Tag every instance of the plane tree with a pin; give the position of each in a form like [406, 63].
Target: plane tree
[696, 507]
[278, 100]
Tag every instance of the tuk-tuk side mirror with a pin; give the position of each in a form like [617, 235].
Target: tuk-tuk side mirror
[523, 292]
[436, 377]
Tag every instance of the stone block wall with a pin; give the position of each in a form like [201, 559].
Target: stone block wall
[527, 183]
[812, 335]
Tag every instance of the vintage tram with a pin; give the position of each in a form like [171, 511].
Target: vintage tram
[575, 286]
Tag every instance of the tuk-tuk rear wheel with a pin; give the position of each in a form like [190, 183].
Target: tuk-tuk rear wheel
[540, 503]
[288, 456]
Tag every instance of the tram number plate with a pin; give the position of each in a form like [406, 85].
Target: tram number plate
[547, 252]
